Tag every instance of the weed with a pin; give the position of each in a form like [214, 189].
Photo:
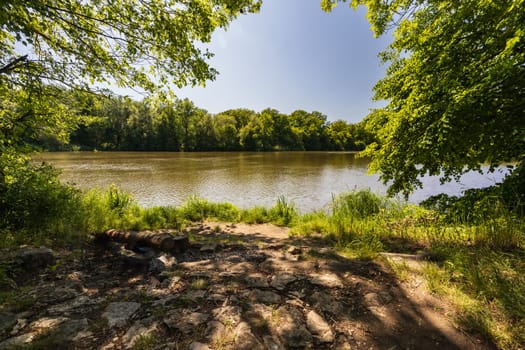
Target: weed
[146, 341]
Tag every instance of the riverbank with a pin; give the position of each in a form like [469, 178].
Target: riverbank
[472, 261]
[237, 286]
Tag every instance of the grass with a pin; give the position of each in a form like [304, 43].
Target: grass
[478, 242]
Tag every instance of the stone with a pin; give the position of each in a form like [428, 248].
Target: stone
[294, 250]
[326, 303]
[47, 323]
[139, 329]
[119, 313]
[234, 259]
[7, 321]
[133, 259]
[271, 343]
[257, 280]
[263, 296]
[319, 327]
[215, 331]
[291, 328]
[280, 281]
[79, 305]
[244, 338]
[329, 280]
[228, 314]
[182, 243]
[209, 248]
[161, 263]
[32, 259]
[69, 329]
[19, 341]
[198, 346]
[185, 323]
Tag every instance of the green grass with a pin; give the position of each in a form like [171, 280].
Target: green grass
[478, 240]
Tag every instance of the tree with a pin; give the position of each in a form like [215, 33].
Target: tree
[455, 88]
[146, 44]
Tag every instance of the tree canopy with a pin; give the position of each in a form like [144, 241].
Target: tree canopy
[454, 87]
[146, 44]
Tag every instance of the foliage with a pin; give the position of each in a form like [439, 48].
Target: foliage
[119, 123]
[454, 87]
[34, 205]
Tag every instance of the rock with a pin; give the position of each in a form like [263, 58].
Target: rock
[326, 303]
[68, 330]
[294, 250]
[139, 329]
[181, 244]
[244, 338]
[185, 323]
[271, 343]
[257, 280]
[198, 346]
[291, 328]
[263, 296]
[228, 314]
[216, 297]
[329, 280]
[319, 327]
[209, 248]
[215, 331]
[19, 341]
[161, 263]
[133, 259]
[31, 259]
[119, 313]
[280, 281]
[46, 323]
[78, 306]
[234, 259]
[7, 321]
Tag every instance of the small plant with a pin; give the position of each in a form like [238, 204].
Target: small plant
[146, 341]
[199, 284]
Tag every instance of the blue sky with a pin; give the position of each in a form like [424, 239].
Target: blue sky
[292, 55]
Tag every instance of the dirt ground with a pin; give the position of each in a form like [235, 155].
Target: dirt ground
[238, 286]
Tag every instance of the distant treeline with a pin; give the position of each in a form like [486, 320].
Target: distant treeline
[117, 123]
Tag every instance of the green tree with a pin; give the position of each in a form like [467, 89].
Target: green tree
[77, 43]
[455, 88]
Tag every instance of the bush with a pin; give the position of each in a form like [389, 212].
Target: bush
[34, 205]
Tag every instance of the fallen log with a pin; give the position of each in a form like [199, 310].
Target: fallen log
[163, 241]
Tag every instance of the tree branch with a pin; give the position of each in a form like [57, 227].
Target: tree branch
[13, 64]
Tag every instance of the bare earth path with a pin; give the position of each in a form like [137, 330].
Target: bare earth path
[236, 287]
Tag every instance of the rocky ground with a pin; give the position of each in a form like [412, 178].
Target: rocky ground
[236, 287]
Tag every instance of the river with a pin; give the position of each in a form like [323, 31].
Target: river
[246, 179]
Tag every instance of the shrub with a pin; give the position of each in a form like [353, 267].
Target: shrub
[34, 204]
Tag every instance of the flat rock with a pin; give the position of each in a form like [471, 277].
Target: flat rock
[19, 341]
[162, 263]
[31, 259]
[291, 328]
[119, 313]
[139, 329]
[280, 281]
[185, 323]
[329, 280]
[215, 331]
[319, 327]
[198, 346]
[209, 248]
[264, 296]
[244, 338]
[228, 314]
[7, 321]
[326, 303]
[257, 280]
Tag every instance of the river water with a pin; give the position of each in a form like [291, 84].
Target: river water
[246, 179]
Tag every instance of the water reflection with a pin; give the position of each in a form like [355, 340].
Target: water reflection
[245, 179]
